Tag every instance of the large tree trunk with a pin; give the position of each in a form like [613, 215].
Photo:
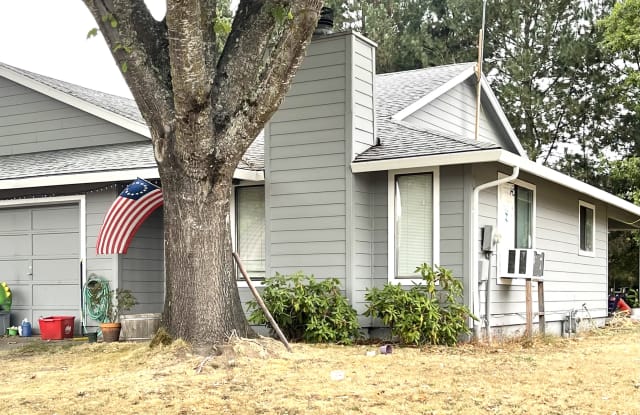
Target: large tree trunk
[202, 300]
[204, 107]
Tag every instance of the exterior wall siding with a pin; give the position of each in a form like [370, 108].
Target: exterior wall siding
[370, 234]
[308, 148]
[305, 169]
[142, 267]
[454, 112]
[97, 204]
[452, 220]
[32, 122]
[570, 279]
[363, 56]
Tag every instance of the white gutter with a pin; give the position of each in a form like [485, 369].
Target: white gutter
[480, 156]
[106, 176]
[473, 266]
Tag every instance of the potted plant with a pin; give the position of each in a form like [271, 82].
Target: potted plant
[119, 301]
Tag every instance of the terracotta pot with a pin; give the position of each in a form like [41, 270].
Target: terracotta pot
[110, 332]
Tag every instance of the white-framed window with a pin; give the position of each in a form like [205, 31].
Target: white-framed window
[523, 231]
[248, 229]
[587, 228]
[414, 222]
[516, 222]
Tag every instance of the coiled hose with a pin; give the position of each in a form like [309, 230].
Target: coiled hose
[95, 299]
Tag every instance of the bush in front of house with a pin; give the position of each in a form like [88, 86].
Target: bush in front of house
[430, 312]
[307, 310]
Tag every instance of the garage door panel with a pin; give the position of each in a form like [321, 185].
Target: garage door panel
[40, 260]
[56, 244]
[21, 294]
[59, 295]
[15, 245]
[63, 217]
[13, 220]
[56, 270]
[15, 270]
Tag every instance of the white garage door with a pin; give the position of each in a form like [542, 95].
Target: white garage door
[40, 261]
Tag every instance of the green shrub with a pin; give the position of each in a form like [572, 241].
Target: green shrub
[430, 312]
[307, 310]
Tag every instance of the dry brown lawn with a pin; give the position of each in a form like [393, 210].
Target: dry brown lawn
[596, 373]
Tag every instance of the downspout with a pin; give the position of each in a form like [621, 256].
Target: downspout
[473, 268]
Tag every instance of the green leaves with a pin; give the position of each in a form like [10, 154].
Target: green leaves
[108, 17]
[222, 26]
[308, 310]
[425, 313]
[280, 14]
[93, 32]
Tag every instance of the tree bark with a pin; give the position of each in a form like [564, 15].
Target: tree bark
[202, 301]
[204, 111]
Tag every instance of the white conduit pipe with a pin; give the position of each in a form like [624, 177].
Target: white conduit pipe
[475, 236]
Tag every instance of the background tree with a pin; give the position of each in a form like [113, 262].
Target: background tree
[204, 106]
[542, 59]
[413, 34]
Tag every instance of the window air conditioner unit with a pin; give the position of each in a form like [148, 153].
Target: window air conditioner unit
[524, 263]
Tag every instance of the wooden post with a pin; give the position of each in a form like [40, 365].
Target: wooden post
[261, 303]
[529, 309]
[541, 318]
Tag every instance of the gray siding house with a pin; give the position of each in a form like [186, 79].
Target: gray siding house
[357, 176]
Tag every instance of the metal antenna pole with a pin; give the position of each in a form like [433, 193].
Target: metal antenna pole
[479, 69]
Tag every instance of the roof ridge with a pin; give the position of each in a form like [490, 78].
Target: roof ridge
[425, 69]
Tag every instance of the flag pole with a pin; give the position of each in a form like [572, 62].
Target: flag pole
[479, 69]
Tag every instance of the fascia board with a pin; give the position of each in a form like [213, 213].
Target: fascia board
[495, 105]
[105, 177]
[480, 156]
[503, 157]
[562, 179]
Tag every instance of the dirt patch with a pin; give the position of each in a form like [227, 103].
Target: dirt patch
[598, 373]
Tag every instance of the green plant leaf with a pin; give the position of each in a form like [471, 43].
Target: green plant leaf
[93, 32]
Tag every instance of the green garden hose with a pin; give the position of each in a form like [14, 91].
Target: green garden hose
[95, 299]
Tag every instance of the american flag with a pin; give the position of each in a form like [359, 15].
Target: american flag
[130, 209]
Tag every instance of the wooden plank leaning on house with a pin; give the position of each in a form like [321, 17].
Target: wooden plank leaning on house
[261, 303]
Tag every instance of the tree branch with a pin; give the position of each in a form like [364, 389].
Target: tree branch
[268, 57]
[138, 41]
[187, 46]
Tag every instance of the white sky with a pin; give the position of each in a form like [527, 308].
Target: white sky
[49, 37]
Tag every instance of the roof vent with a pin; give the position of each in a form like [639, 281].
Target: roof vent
[325, 23]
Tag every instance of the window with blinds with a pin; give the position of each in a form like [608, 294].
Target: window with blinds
[250, 233]
[413, 222]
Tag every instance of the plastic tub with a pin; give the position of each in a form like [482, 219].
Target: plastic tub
[56, 327]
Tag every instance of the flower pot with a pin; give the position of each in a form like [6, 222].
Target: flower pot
[110, 332]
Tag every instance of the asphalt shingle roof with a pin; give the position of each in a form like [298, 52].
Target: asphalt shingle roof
[99, 158]
[401, 140]
[78, 160]
[397, 139]
[396, 91]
